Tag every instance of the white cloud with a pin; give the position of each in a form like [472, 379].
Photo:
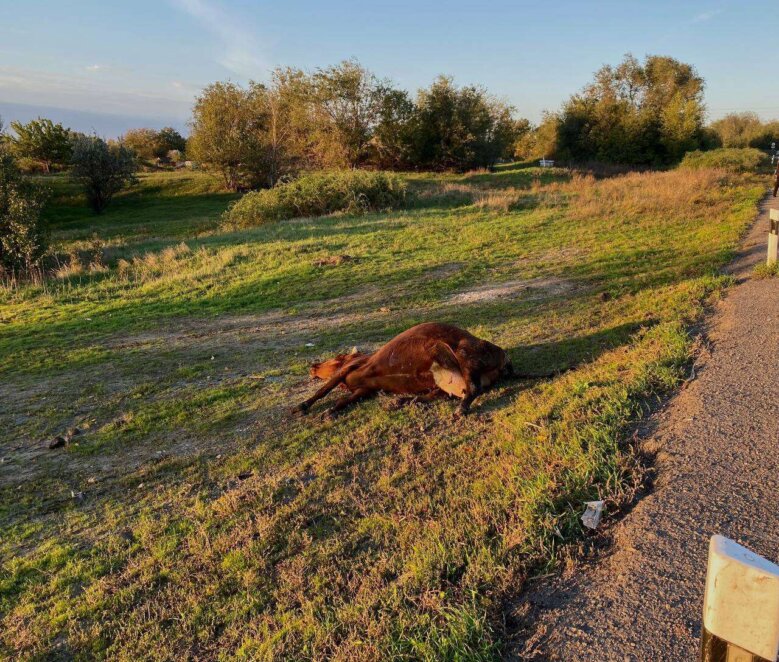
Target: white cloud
[239, 50]
[706, 16]
[113, 92]
[94, 67]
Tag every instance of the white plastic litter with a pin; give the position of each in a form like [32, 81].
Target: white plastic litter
[591, 516]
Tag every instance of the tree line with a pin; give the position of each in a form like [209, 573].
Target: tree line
[646, 113]
[637, 113]
[42, 145]
[344, 116]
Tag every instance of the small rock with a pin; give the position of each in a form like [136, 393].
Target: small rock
[58, 442]
[78, 496]
[384, 309]
[310, 344]
[91, 480]
[245, 474]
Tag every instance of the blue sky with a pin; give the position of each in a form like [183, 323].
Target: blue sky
[109, 66]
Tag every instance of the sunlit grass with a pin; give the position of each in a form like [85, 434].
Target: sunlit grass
[193, 517]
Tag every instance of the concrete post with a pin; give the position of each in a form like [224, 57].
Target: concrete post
[773, 236]
[741, 605]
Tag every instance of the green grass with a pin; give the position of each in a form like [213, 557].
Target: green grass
[211, 524]
[164, 205]
[763, 270]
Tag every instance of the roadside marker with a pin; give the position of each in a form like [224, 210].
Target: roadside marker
[773, 235]
[741, 605]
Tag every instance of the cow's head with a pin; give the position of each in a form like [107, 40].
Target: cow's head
[326, 369]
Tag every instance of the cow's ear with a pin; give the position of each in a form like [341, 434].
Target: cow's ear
[354, 350]
[445, 357]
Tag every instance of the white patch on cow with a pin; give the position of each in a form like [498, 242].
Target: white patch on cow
[450, 381]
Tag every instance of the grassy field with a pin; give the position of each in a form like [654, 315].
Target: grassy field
[194, 518]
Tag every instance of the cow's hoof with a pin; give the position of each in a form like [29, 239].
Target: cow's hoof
[460, 413]
[299, 410]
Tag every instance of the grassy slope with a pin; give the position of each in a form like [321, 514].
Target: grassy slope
[212, 524]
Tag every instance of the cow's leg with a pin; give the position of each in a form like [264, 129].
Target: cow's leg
[331, 383]
[473, 390]
[344, 402]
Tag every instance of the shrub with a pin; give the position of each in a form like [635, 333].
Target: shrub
[23, 235]
[319, 194]
[101, 169]
[745, 159]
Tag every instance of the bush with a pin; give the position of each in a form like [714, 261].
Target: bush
[23, 235]
[746, 159]
[319, 194]
[764, 270]
[101, 169]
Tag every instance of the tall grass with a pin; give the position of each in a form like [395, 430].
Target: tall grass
[746, 159]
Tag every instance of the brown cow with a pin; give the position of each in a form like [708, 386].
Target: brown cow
[428, 360]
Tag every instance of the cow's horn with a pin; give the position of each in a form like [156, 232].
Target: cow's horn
[354, 350]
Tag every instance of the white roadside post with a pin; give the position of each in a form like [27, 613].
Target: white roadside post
[741, 605]
[773, 236]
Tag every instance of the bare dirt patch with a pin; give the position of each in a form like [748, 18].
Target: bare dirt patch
[536, 287]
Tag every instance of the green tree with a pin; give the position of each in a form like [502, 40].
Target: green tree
[253, 136]
[393, 135]
[538, 142]
[141, 141]
[42, 141]
[227, 123]
[287, 135]
[634, 113]
[745, 130]
[102, 169]
[348, 104]
[459, 128]
[167, 140]
[23, 234]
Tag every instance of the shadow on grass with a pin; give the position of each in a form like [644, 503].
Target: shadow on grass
[543, 359]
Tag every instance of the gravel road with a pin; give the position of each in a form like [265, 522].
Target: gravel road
[717, 445]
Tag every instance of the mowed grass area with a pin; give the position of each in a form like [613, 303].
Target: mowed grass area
[194, 518]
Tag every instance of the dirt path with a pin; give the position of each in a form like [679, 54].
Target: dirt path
[717, 445]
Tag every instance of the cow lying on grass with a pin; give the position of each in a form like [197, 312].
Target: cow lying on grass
[428, 361]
